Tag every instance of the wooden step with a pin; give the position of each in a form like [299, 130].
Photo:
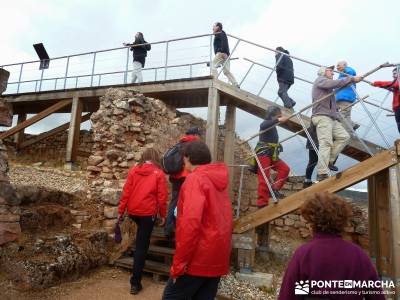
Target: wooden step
[158, 232]
[150, 266]
[159, 250]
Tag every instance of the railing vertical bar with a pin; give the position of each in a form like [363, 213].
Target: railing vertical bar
[19, 78]
[166, 60]
[269, 76]
[66, 73]
[247, 73]
[41, 79]
[126, 66]
[93, 67]
[240, 191]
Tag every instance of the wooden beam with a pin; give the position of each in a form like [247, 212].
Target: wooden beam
[229, 142]
[73, 132]
[20, 136]
[50, 133]
[372, 218]
[349, 177]
[212, 122]
[35, 118]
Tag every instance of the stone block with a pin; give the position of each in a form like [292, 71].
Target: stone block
[9, 232]
[94, 160]
[111, 196]
[279, 222]
[259, 279]
[111, 212]
[289, 222]
[9, 218]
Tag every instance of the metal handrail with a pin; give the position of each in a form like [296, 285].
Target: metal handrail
[112, 49]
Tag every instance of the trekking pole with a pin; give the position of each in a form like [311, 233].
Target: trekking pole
[308, 106]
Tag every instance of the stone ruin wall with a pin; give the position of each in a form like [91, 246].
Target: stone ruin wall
[126, 124]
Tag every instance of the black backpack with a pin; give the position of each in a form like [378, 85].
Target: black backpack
[172, 160]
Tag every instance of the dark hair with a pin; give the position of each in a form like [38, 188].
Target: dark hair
[197, 152]
[140, 38]
[150, 155]
[219, 24]
[272, 111]
[394, 70]
[326, 213]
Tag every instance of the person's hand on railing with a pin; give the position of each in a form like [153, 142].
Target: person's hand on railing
[282, 119]
[125, 44]
[356, 79]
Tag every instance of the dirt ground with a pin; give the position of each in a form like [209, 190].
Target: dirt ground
[103, 284]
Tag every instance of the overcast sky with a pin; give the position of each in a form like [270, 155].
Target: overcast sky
[363, 32]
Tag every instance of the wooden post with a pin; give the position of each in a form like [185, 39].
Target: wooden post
[394, 186]
[384, 224]
[245, 243]
[73, 134]
[229, 143]
[20, 136]
[212, 122]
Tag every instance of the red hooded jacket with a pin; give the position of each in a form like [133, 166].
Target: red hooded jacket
[393, 87]
[145, 191]
[204, 224]
[185, 139]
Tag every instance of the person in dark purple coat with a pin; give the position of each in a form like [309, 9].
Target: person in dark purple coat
[327, 257]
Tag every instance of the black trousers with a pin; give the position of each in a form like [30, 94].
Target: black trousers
[282, 93]
[170, 222]
[188, 287]
[312, 162]
[143, 233]
[397, 117]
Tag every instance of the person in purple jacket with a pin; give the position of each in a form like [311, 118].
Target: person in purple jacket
[327, 258]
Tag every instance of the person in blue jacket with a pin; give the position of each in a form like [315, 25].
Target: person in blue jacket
[346, 96]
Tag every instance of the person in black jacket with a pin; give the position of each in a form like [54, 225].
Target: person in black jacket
[285, 76]
[139, 56]
[221, 50]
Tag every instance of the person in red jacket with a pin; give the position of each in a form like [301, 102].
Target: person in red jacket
[203, 230]
[144, 196]
[192, 134]
[393, 86]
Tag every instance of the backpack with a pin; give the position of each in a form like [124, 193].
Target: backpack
[172, 160]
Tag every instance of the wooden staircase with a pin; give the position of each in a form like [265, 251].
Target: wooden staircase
[159, 256]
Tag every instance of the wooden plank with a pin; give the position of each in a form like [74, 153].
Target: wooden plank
[334, 184]
[158, 250]
[150, 266]
[74, 129]
[212, 122]
[88, 92]
[257, 106]
[20, 136]
[229, 146]
[51, 133]
[36, 118]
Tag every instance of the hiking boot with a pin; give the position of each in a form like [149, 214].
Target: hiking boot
[135, 289]
[321, 177]
[307, 184]
[332, 167]
[278, 194]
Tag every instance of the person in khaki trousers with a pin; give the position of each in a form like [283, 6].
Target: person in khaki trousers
[221, 50]
[332, 137]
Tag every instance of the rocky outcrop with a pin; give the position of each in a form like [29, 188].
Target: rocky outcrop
[9, 211]
[48, 261]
